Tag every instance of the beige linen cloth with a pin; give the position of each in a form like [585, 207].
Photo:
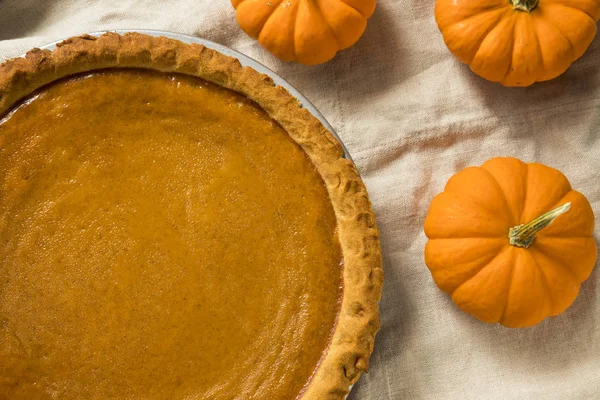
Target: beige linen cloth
[411, 115]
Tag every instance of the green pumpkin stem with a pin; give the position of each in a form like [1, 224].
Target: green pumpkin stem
[524, 5]
[523, 235]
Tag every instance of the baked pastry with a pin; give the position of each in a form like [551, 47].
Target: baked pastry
[174, 225]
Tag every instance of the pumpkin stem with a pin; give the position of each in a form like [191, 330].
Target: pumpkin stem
[523, 235]
[524, 5]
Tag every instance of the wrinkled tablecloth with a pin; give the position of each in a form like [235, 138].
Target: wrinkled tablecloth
[411, 115]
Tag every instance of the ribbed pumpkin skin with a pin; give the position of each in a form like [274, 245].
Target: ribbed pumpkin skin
[306, 31]
[469, 255]
[513, 47]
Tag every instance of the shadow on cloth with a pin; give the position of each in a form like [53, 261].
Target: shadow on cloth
[578, 84]
[366, 67]
[370, 64]
[526, 345]
[12, 27]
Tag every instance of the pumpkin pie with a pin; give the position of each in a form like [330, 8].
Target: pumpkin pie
[175, 226]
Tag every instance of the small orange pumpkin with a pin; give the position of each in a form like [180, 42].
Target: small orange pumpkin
[307, 31]
[510, 242]
[518, 42]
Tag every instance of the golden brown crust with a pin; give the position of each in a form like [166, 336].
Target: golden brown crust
[358, 321]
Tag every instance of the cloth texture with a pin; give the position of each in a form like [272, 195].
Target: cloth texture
[411, 115]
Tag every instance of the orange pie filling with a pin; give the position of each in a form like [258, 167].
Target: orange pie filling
[160, 238]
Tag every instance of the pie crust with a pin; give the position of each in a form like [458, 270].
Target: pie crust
[358, 320]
